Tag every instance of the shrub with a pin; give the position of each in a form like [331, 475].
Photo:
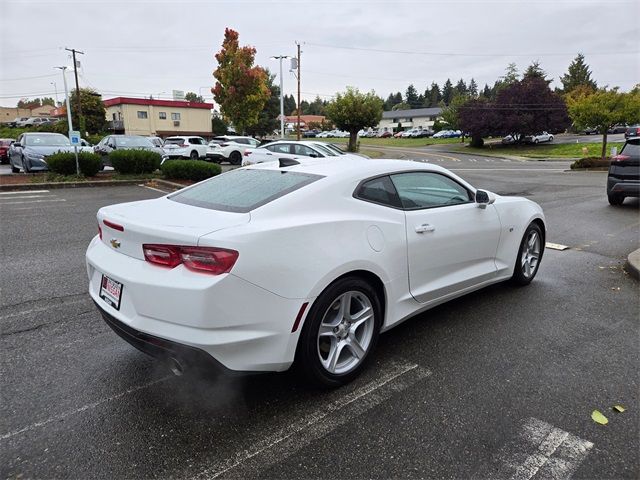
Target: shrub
[195, 170]
[135, 161]
[590, 162]
[64, 163]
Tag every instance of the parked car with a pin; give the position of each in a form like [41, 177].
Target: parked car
[185, 147]
[619, 128]
[291, 149]
[34, 122]
[231, 149]
[16, 121]
[539, 137]
[623, 179]
[5, 143]
[422, 133]
[511, 139]
[447, 134]
[110, 143]
[632, 132]
[398, 134]
[156, 141]
[268, 266]
[30, 150]
[310, 133]
[385, 134]
[591, 131]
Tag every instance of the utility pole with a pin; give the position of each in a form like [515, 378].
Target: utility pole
[75, 71]
[299, 106]
[66, 96]
[281, 57]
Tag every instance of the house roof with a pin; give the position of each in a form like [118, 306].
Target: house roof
[158, 103]
[414, 112]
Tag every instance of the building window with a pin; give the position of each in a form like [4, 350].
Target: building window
[142, 114]
[162, 115]
[175, 116]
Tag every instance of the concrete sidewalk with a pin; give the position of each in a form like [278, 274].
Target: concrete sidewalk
[633, 264]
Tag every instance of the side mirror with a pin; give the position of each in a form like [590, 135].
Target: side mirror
[313, 155]
[484, 198]
[16, 144]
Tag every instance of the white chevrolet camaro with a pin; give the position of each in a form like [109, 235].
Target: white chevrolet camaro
[302, 263]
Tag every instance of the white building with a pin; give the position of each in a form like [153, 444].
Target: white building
[406, 119]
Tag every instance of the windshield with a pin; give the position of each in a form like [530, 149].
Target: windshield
[133, 142]
[56, 140]
[243, 190]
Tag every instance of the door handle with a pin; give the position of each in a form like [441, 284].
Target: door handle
[425, 227]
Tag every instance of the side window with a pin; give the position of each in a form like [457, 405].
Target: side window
[304, 150]
[142, 114]
[241, 141]
[175, 116]
[162, 115]
[279, 148]
[427, 190]
[195, 141]
[379, 190]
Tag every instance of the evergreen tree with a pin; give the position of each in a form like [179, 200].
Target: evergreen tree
[487, 92]
[435, 96]
[461, 88]
[578, 74]
[412, 97]
[289, 104]
[447, 92]
[473, 88]
[511, 75]
[535, 71]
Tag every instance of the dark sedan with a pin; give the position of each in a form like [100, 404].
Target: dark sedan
[30, 150]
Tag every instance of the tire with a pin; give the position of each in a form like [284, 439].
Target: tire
[13, 168]
[235, 158]
[551, 139]
[341, 353]
[536, 141]
[615, 200]
[529, 255]
[194, 155]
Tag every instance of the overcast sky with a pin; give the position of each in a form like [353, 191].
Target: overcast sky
[141, 48]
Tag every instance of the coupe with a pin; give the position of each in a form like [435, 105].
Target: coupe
[302, 262]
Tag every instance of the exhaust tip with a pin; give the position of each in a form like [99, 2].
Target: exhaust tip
[176, 367]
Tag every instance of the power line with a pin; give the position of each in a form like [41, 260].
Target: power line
[26, 78]
[456, 54]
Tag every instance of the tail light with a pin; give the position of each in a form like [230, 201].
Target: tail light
[100, 231]
[212, 260]
[224, 144]
[184, 145]
[115, 226]
[620, 158]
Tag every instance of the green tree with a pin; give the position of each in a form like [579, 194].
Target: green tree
[450, 114]
[603, 108]
[411, 96]
[193, 97]
[461, 87]
[93, 112]
[578, 74]
[535, 71]
[241, 88]
[352, 111]
[473, 88]
[268, 117]
[219, 126]
[401, 106]
[511, 75]
[434, 97]
[289, 104]
[447, 92]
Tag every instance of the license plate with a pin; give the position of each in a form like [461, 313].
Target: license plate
[111, 291]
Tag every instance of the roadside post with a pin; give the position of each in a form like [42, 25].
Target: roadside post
[66, 94]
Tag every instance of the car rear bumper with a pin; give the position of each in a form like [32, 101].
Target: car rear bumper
[215, 156]
[239, 325]
[627, 189]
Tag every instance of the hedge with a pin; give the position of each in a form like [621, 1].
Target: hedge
[135, 161]
[590, 162]
[195, 170]
[64, 163]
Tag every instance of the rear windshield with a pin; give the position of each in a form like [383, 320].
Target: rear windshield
[174, 141]
[243, 190]
[631, 149]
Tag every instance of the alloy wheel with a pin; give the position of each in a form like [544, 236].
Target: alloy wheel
[530, 254]
[346, 332]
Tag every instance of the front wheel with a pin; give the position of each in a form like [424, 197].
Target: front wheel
[14, 169]
[24, 165]
[536, 141]
[340, 332]
[551, 138]
[235, 158]
[194, 155]
[529, 255]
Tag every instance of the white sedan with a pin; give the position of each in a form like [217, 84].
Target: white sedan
[539, 137]
[291, 149]
[302, 263]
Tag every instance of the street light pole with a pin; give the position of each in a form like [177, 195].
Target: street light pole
[66, 95]
[281, 57]
[55, 87]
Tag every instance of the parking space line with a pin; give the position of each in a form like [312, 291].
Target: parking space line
[21, 192]
[25, 196]
[33, 201]
[88, 406]
[286, 442]
[540, 450]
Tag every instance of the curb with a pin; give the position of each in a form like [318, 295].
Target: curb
[54, 185]
[632, 266]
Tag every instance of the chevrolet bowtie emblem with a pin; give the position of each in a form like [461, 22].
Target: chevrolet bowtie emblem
[114, 243]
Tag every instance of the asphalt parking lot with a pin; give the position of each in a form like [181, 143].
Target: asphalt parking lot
[498, 384]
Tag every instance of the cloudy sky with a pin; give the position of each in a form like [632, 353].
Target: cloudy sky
[141, 47]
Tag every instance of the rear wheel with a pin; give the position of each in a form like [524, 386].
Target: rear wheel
[551, 138]
[339, 333]
[529, 255]
[14, 169]
[615, 199]
[235, 158]
[194, 155]
[536, 141]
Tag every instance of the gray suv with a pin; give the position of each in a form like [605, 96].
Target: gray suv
[624, 173]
